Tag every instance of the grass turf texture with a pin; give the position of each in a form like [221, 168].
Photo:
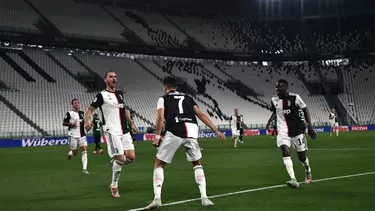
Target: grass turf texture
[41, 178]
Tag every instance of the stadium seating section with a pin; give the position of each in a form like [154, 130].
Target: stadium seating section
[39, 84]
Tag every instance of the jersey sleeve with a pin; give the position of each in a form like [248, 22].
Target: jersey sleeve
[67, 117]
[160, 103]
[300, 103]
[98, 101]
[193, 102]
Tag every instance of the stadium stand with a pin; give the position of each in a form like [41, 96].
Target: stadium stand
[43, 81]
[12, 20]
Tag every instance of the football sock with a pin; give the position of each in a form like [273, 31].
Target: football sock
[241, 138]
[116, 170]
[306, 164]
[158, 181]
[84, 159]
[337, 132]
[200, 179]
[235, 141]
[289, 167]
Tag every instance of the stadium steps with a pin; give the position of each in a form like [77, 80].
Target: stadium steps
[98, 79]
[129, 35]
[22, 116]
[302, 78]
[372, 119]
[332, 100]
[3, 86]
[17, 68]
[66, 70]
[164, 69]
[340, 76]
[257, 102]
[307, 36]
[38, 69]
[161, 80]
[191, 41]
[44, 25]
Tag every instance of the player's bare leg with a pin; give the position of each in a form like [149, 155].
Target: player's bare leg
[84, 160]
[120, 160]
[305, 162]
[285, 150]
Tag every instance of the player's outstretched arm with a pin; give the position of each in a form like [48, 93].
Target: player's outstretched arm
[203, 117]
[88, 114]
[310, 128]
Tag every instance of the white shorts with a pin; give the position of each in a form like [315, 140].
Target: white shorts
[299, 143]
[171, 143]
[75, 141]
[334, 124]
[117, 144]
[235, 132]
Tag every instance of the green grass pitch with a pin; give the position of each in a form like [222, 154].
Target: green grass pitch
[41, 178]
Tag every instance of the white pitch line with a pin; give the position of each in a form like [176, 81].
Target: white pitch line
[259, 189]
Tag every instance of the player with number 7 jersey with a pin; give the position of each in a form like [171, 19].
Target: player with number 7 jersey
[180, 113]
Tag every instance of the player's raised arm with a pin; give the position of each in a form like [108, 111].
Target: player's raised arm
[203, 117]
[302, 105]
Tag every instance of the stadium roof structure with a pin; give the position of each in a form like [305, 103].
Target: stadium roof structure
[255, 7]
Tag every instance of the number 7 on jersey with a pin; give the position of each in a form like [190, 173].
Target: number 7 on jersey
[180, 100]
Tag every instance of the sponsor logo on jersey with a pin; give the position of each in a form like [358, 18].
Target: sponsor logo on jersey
[360, 128]
[286, 111]
[36, 142]
[117, 105]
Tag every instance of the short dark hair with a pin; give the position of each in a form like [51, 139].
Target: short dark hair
[73, 101]
[106, 73]
[283, 81]
[95, 114]
[170, 82]
[132, 112]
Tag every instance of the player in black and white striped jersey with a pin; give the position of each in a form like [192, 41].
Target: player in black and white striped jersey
[76, 133]
[287, 108]
[179, 112]
[334, 122]
[114, 124]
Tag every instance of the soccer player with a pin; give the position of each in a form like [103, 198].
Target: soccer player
[76, 133]
[116, 134]
[241, 130]
[274, 127]
[179, 112]
[290, 129]
[235, 122]
[132, 115]
[334, 122]
[97, 133]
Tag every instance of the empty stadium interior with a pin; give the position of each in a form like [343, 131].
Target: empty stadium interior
[38, 82]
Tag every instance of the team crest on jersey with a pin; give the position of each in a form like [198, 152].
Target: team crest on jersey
[289, 103]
